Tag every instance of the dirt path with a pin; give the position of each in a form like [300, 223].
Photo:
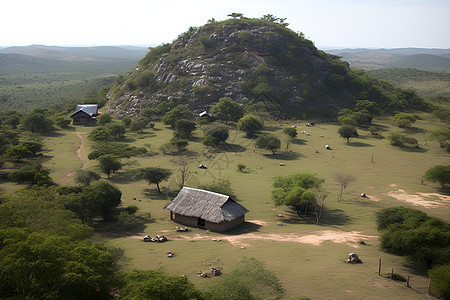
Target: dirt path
[80, 157]
[315, 238]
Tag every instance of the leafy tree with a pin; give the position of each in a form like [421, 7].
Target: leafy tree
[227, 110]
[343, 180]
[153, 175]
[179, 144]
[119, 150]
[296, 191]
[236, 15]
[438, 173]
[138, 124]
[37, 121]
[210, 141]
[248, 280]
[149, 284]
[241, 167]
[250, 124]
[401, 140]
[63, 123]
[17, 153]
[109, 163]
[85, 177]
[148, 113]
[348, 132]
[178, 113]
[99, 134]
[221, 186]
[104, 119]
[126, 121]
[116, 130]
[184, 128]
[367, 105]
[221, 133]
[271, 143]
[291, 132]
[34, 174]
[404, 120]
[440, 280]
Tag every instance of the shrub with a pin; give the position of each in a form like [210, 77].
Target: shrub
[440, 280]
[241, 167]
[401, 140]
[221, 133]
[250, 124]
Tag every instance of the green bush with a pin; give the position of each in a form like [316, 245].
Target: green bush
[440, 280]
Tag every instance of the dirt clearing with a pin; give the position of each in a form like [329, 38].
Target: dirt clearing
[428, 200]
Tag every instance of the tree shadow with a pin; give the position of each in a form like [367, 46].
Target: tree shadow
[381, 127]
[123, 177]
[153, 194]
[284, 156]
[359, 144]
[270, 128]
[414, 149]
[232, 147]
[361, 201]
[299, 142]
[115, 229]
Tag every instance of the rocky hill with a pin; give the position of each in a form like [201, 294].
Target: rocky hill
[255, 62]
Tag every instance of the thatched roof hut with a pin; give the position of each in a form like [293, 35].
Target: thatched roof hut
[205, 209]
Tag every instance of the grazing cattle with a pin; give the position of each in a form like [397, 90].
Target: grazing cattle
[202, 166]
[328, 147]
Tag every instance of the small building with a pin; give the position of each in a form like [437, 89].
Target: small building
[207, 116]
[205, 209]
[84, 114]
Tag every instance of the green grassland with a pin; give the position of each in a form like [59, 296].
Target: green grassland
[423, 82]
[316, 271]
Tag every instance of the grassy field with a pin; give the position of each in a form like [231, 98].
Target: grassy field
[388, 175]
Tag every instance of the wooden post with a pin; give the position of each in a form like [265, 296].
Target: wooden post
[407, 282]
[392, 273]
[371, 160]
[429, 288]
[379, 267]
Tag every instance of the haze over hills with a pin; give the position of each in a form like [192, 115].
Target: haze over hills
[436, 60]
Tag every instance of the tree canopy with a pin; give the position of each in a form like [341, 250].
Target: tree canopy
[227, 110]
[268, 142]
[438, 173]
[153, 175]
[348, 132]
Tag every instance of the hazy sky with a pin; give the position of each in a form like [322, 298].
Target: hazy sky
[328, 23]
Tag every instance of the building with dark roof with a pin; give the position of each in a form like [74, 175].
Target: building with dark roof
[205, 209]
[84, 114]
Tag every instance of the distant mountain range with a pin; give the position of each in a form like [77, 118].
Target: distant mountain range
[435, 60]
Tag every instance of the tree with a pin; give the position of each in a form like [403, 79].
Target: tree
[344, 180]
[85, 177]
[442, 136]
[291, 132]
[438, 173]
[236, 15]
[99, 134]
[63, 123]
[126, 121]
[149, 284]
[221, 133]
[222, 186]
[401, 140]
[184, 166]
[104, 119]
[347, 132]
[179, 144]
[241, 167]
[404, 120]
[250, 124]
[116, 130]
[296, 191]
[178, 113]
[109, 163]
[271, 143]
[34, 174]
[227, 110]
[184, 128]
[147, 112]
[248, 280]
[153, 175]
[37, 121]
[138, 124]
[440, 280]
[210, 141]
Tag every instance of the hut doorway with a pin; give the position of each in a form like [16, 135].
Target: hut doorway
[201, 223]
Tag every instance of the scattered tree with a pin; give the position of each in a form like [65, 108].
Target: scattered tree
[401, 140]
[178, 113]
[85, 177]
[442, 136]
[153, 175]
[37, 121]
[348, 132]
[250, 124]
[404, 120]
[104, 119]
[183, 164]
[241, 167]
[236, 15]
[184, 128]
[222, 186]
[210, 141]
[116, 130]
[271, 143]
[109, 163]
[343, 180]
[438, 173]
[63, 123]
[221, 133]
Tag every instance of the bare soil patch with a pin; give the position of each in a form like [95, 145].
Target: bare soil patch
[80, 157]
[315, 238]
[428, 200]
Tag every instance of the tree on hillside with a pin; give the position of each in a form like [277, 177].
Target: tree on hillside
[183, 164]
[37, 121]
[104, 119]
[99, 134]
[271, 143]
[438, 173]
[227, 110]
[184, 128]
[297, 191]
[442, 136]
[291, 132]
[401, 140]
[109, 163]
[116, 130]
[153, 175]
[348, 132]
[236, 15]
[178, 113]
[404, 120]
[220, 133]
[250, 124]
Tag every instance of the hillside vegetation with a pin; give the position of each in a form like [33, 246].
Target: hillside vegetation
[253, 61]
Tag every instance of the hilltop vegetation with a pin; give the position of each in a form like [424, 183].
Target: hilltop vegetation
[256, 62]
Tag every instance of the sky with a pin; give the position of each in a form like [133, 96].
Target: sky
[328, 23]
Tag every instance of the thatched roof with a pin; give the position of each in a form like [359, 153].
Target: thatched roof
[210, 206]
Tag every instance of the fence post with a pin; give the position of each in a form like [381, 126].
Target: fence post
[379, 267]
[429, 288]
[407, 282]
[392, 273]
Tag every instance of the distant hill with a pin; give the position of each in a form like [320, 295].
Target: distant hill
[255, 62]
[436, 60]
[43, 76]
